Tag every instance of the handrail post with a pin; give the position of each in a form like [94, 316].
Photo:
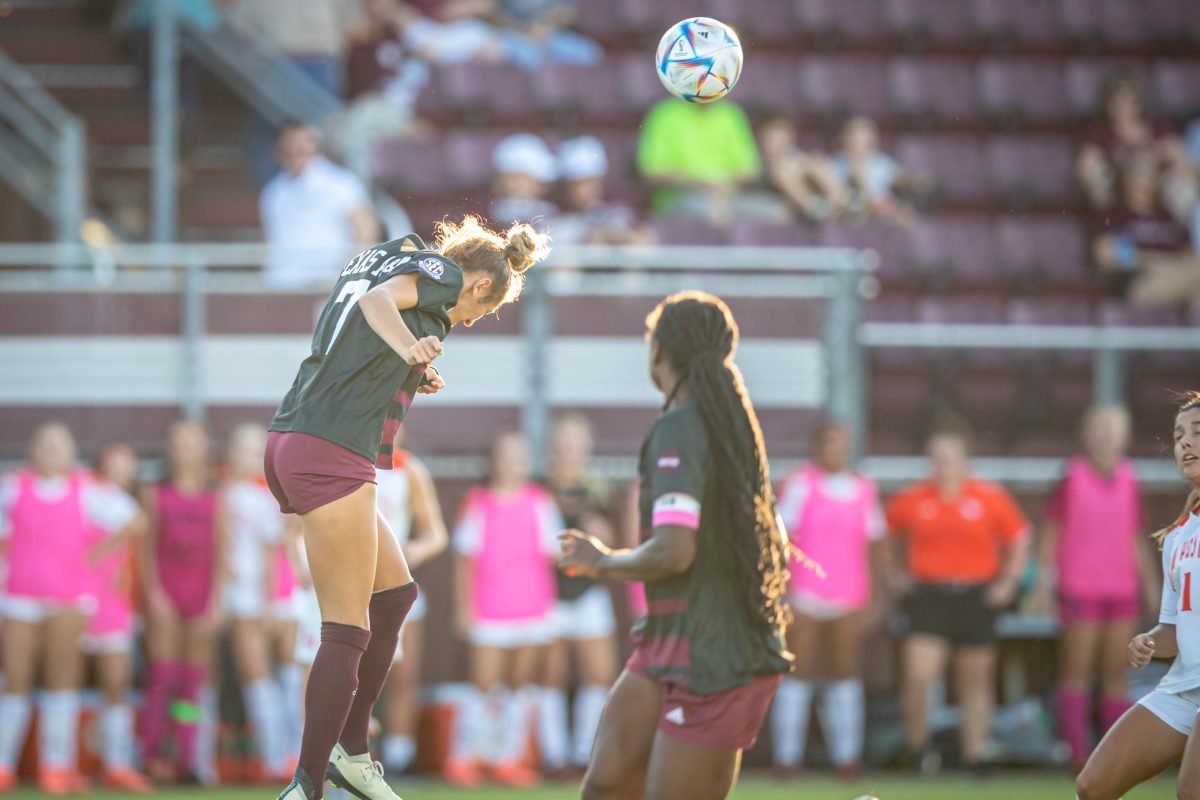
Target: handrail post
[537, 326]
[1108, 368]
[165, 130]
[844, 353]
[69, 181]
[193, 323]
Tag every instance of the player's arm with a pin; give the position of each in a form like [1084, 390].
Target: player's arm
[381, 307]
[364, 227]
[1158, 642]
[429, 535]
[669, 552]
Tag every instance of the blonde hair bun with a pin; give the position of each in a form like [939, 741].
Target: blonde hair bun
[524, 247]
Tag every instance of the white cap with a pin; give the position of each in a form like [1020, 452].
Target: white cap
[582, 157]
[525, 154]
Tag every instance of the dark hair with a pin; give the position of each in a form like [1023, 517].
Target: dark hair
[953, 426]
[1187, 402]
[697, 334]
[1119, 82]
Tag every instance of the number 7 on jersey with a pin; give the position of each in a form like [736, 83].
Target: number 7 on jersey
[350, 293]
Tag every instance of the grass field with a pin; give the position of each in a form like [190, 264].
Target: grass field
[999, 787]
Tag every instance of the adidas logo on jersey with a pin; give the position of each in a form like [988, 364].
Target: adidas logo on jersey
[675, 716]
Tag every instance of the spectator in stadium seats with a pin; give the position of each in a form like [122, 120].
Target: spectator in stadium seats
[506, 545]
[1126, 129]
[871, 179]
[962, 544]
[383, 77]
[582, 163]
[806, 178]
[535, 33]
[1144, 251]
[1094, 557]
[525, 170]
[703, 163]
[1192, 143]
[314, 213]
[51, 514]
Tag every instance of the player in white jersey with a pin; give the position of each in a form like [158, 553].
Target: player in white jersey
[408, 501]
[255, 529]
[1158, 731]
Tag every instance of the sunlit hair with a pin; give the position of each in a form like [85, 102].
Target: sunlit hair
[1187, 402]
[502, 257]
[698, 336]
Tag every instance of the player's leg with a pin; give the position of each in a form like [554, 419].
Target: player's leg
[975, 685]
[401, 694]
[1138, 747]
[164, 646]
[553, 738]
[114, 674]
[340, 540]
[597, 660]
[680, 769]
[260, 693]
[21, 639]
[1114, 657]
[393, 596]
[475, 717]
[59, 707]
[1078, 651]
[790, 711]
[1187, 786]
[284, 641]
[925, 657]
[624, 740]
[196, 723]
[843, 706]
[516, 704]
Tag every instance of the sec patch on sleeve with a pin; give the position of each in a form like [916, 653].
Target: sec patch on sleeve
[432, 267]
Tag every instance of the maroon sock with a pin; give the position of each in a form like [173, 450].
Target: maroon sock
[388, 610]
[331, 687]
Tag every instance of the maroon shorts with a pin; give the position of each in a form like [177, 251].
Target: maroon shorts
[306, 472]
[728, 720]
[1073, 609]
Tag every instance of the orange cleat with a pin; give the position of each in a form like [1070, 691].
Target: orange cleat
[57, 782]
[461, 773]
[127, 780]
[8, 780]
[514, 774]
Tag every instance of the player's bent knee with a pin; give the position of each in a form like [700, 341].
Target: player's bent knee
[1089, 786]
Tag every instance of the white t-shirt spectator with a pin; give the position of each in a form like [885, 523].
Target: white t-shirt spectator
[306, 223]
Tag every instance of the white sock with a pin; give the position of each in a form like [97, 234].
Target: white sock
[263, 707]
[789, 721]
[589, 704]
[14, 726]
[291, 685]
[58, 729]
[514, 719]
[472, 720]
[552, 736]
[397, 752]
[116, 726]
[842, 718]
[205, 765]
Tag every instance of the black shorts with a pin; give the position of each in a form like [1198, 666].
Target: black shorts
[954, 612]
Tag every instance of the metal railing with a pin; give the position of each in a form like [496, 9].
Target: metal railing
[42, 150]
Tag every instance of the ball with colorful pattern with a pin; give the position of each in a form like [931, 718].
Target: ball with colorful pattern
[699, 59]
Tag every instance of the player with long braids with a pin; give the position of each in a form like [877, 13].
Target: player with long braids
[709, 653]
[385, 320]
[1161, 729]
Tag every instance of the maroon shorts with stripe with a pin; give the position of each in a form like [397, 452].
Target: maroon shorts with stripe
[728, 720]
[305, 472]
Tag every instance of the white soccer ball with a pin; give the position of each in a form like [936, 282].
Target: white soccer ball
[699, 59]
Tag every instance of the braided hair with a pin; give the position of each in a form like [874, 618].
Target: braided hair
[697, 335]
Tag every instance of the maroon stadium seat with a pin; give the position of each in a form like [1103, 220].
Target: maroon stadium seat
[843, 85]
[954, 162]
[1118, 21]
[672, 230]
[1172, 20]
[942, 86]
[1049, 246]
[768, 84]
[760, 20]
[600, 19]
[936, 20]
[469, 157]
[798, 234]
[508, 91]
[1050, 311]
[596, 91]
[888, 241]
[642, 88]
[1032, 88]
[621, 148]
[654, 18]
[1085, 79]
[411, 166]
[957, 247]
[1021, 20]
[1025, 166]
[973, 310]
[851, 19]
[1177, 87]
[1120, 314]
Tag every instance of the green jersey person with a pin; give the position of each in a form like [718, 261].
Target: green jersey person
[710, 652]
[383, 324]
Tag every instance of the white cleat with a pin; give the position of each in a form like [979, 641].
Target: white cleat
[358, 775]
[301, 787]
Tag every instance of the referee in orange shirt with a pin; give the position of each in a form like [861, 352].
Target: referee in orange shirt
[963, 544]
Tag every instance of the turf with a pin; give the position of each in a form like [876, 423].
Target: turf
[1000, 787]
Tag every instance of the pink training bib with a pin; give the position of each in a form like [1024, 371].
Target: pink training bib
[186, 542]
[1101, 518]
[47, 546]
[833, 531]
[513, 575]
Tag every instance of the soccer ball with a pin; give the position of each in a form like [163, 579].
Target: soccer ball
[699, 59]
